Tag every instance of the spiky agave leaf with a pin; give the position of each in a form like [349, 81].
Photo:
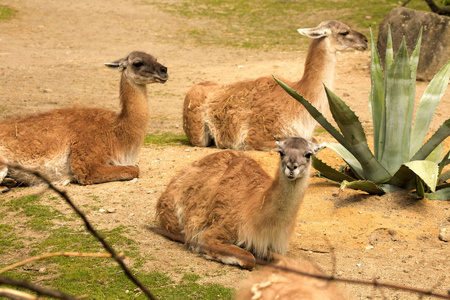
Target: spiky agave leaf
[328, 172]
[438, 137]
[397, 138]
[363, 185]
[426, 170]
[354, 134]
[443, 194]
[349, 158]
[376, 99]
[427, 106]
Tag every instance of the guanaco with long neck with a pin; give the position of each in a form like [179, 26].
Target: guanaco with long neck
[253, 114]
[85, 145]
[227, 202]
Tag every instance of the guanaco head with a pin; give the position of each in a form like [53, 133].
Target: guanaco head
[341, 36]
[141, 68]
[296, 155]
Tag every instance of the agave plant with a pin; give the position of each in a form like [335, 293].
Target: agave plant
[401, 159]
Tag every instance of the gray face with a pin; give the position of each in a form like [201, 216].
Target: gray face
[296, 155]
[141, 68]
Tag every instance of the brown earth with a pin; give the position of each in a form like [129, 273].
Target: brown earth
[52, 56]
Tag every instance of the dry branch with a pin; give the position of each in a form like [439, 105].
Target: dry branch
[36, 288]
[13, 294]
[48, 255]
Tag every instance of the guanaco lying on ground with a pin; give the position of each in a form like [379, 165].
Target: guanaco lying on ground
[271, 283]
[227, 202]
[253, 114]
[85, 145]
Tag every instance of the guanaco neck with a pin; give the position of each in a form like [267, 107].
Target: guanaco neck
[282, 199]
[133, 119]
[319, 67]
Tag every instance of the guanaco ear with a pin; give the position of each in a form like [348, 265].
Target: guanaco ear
[118, 64]
[314, 33]
[280, 146]
[316, 147]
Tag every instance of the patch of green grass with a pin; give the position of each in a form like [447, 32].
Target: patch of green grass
[9, 241]
[99, 278]
[267, 24]
[191, 277]
[7, 13]
[39, 216]
[166, 139]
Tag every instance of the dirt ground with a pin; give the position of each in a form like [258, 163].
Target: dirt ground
[52, 56]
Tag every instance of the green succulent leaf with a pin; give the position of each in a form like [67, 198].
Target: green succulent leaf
[389, 51]
[328, 172]
[443, 194]
[351, 160]
[427, 106]
[420, 189]
[438, 137]
[426, 170]
[444, 176]
[354, 134]
[376, 101]
[398, 106]
[363, 185]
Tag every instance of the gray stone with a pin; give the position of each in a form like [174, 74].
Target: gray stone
[435, 46]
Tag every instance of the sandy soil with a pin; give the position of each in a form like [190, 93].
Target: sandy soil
[52, 56]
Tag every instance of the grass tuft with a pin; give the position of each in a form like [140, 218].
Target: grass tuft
[166, 139]
[7, 13]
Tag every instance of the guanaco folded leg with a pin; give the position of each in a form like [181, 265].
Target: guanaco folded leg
[217, 248]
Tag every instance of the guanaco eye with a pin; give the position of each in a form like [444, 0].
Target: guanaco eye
[345, 33]
[308, 155]
[138, 64]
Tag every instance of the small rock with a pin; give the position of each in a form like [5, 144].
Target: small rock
[373, 239]
[444, 235]
[369, 247]
[111, 210]
[102, 210]
[392, 231]
[134, 180]
[47, 91]
[187, 150]
[358, 265]
[42, 270]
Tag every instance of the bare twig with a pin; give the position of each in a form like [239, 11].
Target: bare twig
[89, 227]
[38, 289]
[48, 255]
[406, 2]
[438, 10]
[13, 294]
[373, 282]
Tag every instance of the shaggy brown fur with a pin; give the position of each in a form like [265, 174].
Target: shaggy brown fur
[270, 283]
[85, 145]
[227, 202]
[253, 114]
